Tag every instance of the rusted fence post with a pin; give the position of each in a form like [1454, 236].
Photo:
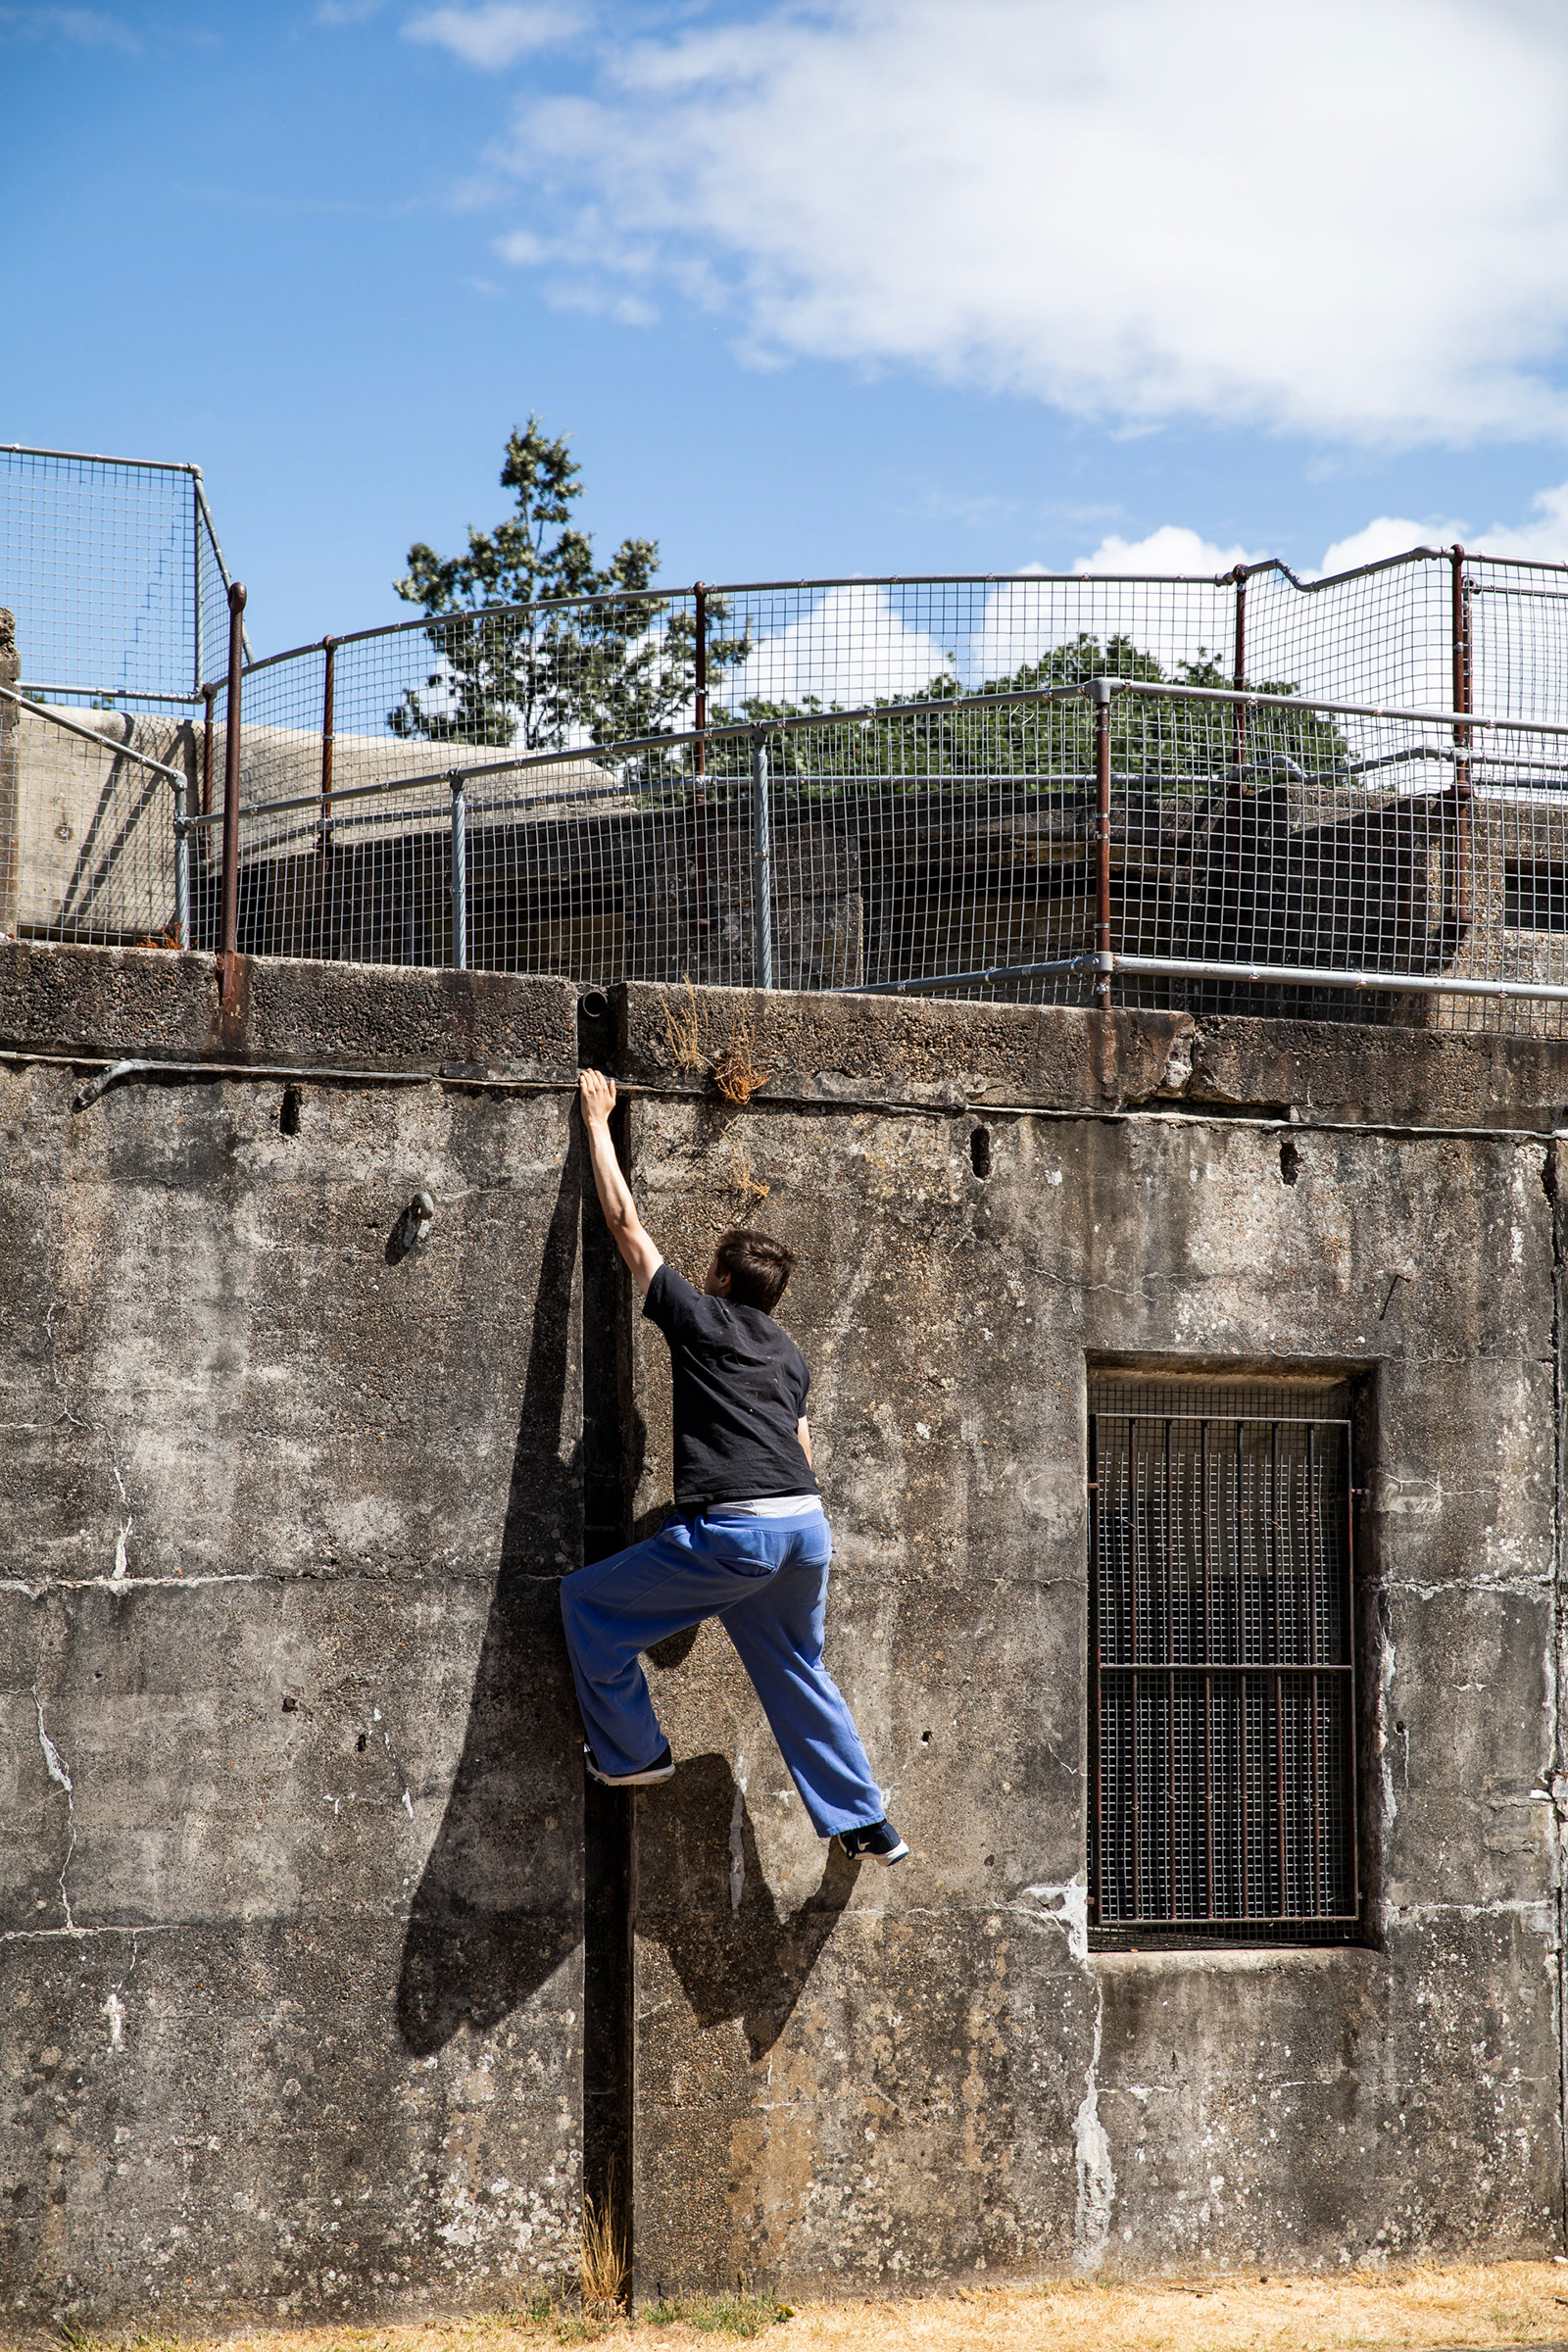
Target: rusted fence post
[1464, 686]
[328, 723]
[1239, 675]
[700, 767]
[229, 921]
[1100, 697]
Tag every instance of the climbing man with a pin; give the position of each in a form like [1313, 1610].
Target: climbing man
[746, 1540]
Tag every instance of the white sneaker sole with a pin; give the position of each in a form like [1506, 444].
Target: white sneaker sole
[630, 1780]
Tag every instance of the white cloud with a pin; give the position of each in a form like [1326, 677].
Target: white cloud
[851, 647]
[1544, 540]
[82, 28]
[1134, 211]
[1172, 548]
[493, 36]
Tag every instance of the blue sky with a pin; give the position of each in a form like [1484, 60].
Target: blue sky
[856, 287]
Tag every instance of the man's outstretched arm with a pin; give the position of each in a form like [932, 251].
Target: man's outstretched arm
[597, 1095]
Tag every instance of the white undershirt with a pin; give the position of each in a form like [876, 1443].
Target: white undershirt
[772, 1507]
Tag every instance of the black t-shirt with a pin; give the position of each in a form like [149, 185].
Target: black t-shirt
[739, 1388]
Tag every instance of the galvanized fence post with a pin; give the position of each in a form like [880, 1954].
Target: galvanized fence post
[1100, 697]
[229, 924]
[460, 874]
[181, 866]
[761, 863]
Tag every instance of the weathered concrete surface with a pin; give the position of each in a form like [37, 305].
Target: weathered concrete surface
[290, 1884]
[926, 2072]
[254, 1967]
[914, 1050]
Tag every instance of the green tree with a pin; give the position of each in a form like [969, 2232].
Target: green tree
[516, 662]
[1156, 741]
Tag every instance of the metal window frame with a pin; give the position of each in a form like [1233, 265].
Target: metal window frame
[1163, 1925]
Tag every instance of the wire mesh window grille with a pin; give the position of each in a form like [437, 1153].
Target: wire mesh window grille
[1222, 1664]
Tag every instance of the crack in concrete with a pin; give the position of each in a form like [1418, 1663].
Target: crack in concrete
[54, 1765]
[98, 1429]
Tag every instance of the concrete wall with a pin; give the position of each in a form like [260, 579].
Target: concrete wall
[255, 1967]
[291, 1868]
[927, 2072]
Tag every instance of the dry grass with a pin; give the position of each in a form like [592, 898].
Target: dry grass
[737, 1072]
[1481, 2303]
[747, 1189]
[602, 2265]
[687, 1027]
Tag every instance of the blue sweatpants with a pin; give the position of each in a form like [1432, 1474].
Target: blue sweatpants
[768, 1579]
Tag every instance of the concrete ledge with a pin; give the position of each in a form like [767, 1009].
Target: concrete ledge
[1060, 1057]
[152, 1002]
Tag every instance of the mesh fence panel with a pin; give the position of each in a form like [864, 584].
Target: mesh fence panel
[923, 812]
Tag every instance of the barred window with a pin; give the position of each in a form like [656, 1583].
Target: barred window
[1222, 1664]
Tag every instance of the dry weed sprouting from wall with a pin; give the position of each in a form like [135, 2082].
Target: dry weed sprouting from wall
[1412, 2310]
[747, 1189]
[686, 1024]
[737, 1072]
[734, 1068]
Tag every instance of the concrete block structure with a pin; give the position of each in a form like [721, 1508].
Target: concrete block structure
[327, 1990]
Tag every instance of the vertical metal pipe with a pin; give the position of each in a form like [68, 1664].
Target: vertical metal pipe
[229, 921]
[761, 863]
[1239, 675]
[1464, 681]
[700, 602]
[181, 866]
[208, 692]
[1100, 697]
[328, 724]
[460, 875]
[698, 796]
[196, 575]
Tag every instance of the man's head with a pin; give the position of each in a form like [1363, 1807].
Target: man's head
[751, 1268]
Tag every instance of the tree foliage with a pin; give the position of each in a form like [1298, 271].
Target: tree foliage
[519, 664]
[1156, 741]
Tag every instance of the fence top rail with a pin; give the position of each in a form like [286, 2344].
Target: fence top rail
[663, 593]
[122, 751]
[109, 694]
[463, 773]
[96, 457]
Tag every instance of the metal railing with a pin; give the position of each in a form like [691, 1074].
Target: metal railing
[1110, 819]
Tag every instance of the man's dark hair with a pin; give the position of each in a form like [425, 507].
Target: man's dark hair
[758, 1267]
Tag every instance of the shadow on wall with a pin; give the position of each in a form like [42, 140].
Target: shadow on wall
[499, 1905]
[735, 1953]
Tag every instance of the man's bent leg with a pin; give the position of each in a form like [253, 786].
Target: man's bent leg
[778, 1632]
[614, 1609]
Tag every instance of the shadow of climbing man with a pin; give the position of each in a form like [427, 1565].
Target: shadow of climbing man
[703, 1896]
[499, 1904]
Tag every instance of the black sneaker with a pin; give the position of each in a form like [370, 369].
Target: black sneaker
[880, 1842]
[662, 1768]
